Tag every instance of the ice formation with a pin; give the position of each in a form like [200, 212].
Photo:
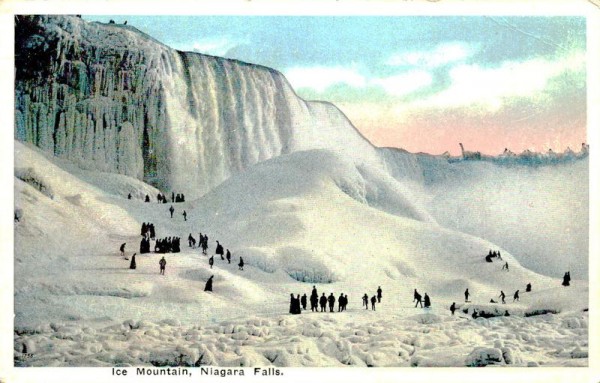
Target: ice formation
[111, 98]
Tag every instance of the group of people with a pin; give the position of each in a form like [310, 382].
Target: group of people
[219, 251]
[320, 304]
[493, 254]
[148, 230]
[423, 301]
[168, 245]
[161, 198]
[316, 302]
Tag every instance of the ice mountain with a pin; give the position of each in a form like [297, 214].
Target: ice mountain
[111, 98]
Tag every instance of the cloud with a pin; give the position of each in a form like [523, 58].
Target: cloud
[440, 55]
[217, 46]
[404, 83]
[320, 78]
[490, 88]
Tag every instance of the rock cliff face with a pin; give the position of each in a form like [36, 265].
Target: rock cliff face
[111, 98]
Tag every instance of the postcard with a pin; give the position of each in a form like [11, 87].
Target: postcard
[392, 191]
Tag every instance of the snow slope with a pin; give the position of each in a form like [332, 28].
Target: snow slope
[537, 212]
[303, 219]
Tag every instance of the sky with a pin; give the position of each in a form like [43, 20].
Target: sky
[419, 83]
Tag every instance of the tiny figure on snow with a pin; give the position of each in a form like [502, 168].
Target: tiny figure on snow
[132, 265]
[467, 295]
[122, 249]
[506, 314]
[219, 250]
[314, 299]
[208, 286]
[365, 299]
[516, 296]
[211, 261]
[417, 298]
[163, 264]
[453, 308]
[129, 196]
[505, 267]
[427, 301]
[241, 264]
[331, 300]
[171, 210]
[303, 301]
[373, 301]
[499, 255]
[502, 295]
[147, 198]
[294, 305]
[184, 215]
[323, 302]
[528, 288]
[493, 301]
[341, 302]
[567, 279]
[379, 291]
[228, 256]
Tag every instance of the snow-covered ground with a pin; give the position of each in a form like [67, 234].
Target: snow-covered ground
[298, 220]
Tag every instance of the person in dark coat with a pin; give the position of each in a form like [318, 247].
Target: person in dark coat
[122, 248]
[208, 286]
[506, 314]
[172, 196]
[488, 258]
[528, 288]
[184, 215]
[567, 279]
[129, 196]
[297, 304]
[505, 267]
[516, 296]
[502, 295]
[292, 304]
[365, 299]
[303, 302]
[427, 301]
[241, 264]
[345, 302]
[417, 298]
[373, 301]
[467, 295]
[314, 303]
[144, 229]
[219, 250]
[331, 300]
[228, 256]
[204, 245]
[379, 294]
[211, 261]
[190, 238]
[499, 255]
[163, 264]
[132, 265]
[341, 302]
[171, 210]
[453, 308]
[159, 198]
[147, 198]
[323, 302]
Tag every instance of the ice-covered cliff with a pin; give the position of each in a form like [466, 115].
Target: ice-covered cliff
[109, 97]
